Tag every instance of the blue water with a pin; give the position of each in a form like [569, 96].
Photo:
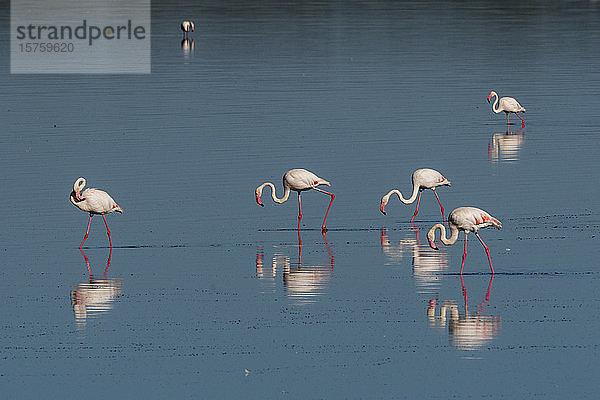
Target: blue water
[209, 295]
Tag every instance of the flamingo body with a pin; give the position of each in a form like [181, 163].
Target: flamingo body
[466, 219]
[95, 202]
[424, 178]
[187, 27]
[506, 104]
[298, 180]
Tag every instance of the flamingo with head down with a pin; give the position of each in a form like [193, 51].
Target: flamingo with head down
[466, 219]
[298, 180]
[424, 178]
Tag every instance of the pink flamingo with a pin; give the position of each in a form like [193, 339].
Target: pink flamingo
[94, 201]
[466, 219]
[297, 180]
[187, 27]
[508, 105]
[424, 178]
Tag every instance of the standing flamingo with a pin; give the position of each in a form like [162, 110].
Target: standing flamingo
[466, 219]
[508, 105]
[187, 27]
[94, 201]
[424, 178]
[297, 180]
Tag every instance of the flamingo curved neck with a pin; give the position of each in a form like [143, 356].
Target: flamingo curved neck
[286, 192]
[402, 199]
[495, 105]
[447, 241]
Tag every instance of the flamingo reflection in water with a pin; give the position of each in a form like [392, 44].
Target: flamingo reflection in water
[505, 147]
[467, 331]
[428, 264]
[303, 283]
[187, 46]
[96, 296]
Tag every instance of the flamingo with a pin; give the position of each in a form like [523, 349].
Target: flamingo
[508, 105]
[298, 180]
[94, 201]
[424, 178]
[187, 27]
[466, 219]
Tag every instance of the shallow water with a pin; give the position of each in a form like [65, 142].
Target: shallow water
[206, 294]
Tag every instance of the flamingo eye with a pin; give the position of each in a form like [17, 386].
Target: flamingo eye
[316, 182]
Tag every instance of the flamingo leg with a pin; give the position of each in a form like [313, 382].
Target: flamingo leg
[86, 232]
[462, 281]
[323, 229]
[107, 263]
[522, 120]
[107, 230]
[464, 253]
[299, 213]
[507, 121]
[487, 250]
[441, 206]
[417, 210]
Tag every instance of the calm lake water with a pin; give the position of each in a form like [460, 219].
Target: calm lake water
[207, 295]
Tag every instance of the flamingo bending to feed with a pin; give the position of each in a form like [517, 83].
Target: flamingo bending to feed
[424, 178]
[94, 201]
[508, 105]
[187, 27]
[297, 180]
[466, 219]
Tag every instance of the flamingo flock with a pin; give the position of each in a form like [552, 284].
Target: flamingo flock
[466, 219]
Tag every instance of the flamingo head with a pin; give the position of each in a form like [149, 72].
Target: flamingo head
[258, 193]
[384, 201]
[191, 26]
[489, 97]
[432, 245]
[78, 187]
[117, 208]
[431, 236]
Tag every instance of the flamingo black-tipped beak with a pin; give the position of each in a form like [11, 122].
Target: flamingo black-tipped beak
[258, 201]
[382, 208]
[432, 245]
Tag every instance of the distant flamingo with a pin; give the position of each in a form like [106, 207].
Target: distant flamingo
[297, 180]
[466, 219]
[508, 105]
[424, 178]
[187, 27]
[94, 201]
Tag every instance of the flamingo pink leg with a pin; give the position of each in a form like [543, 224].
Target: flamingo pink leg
[487, 250]
[507, 121]
[462, 281]
[299, 213]
[326, 212]
[441, 206]
[86, 232]
[417, 210]
[107, 230]
[465, 253]
[522, 120]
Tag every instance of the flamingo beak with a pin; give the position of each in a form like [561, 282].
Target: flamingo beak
[488, 99]
[258, 201]
[78, 196]
[432, 245]
[448, 183]
[382, 208]
[324, 183]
